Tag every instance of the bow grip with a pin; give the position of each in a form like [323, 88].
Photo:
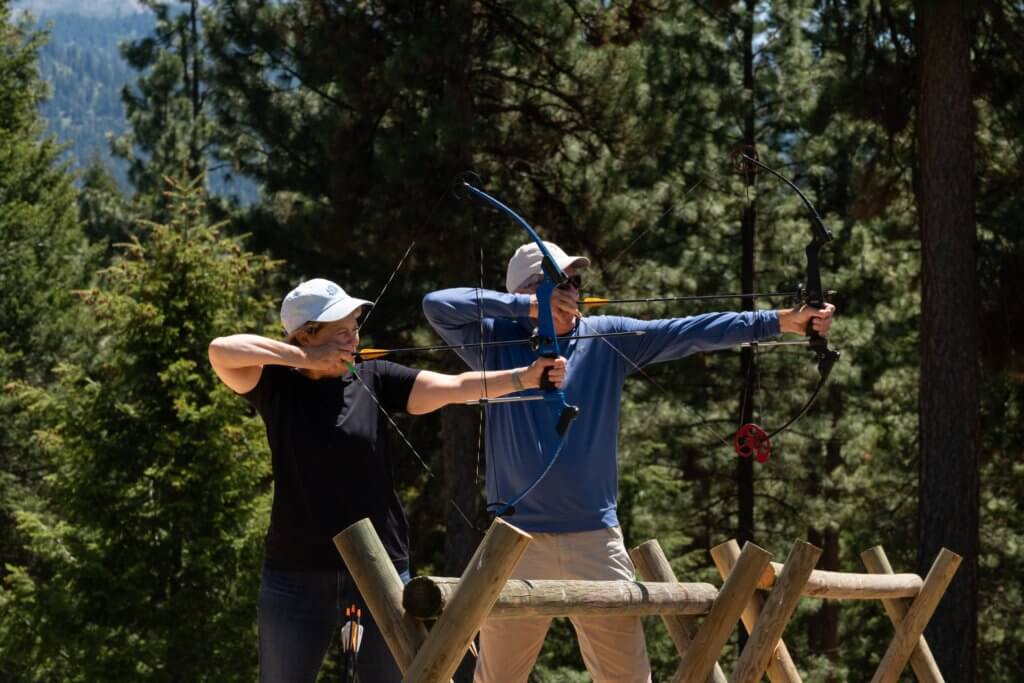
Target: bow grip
[545, 381]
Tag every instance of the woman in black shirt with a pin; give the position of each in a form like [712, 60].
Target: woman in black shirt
[331, 450]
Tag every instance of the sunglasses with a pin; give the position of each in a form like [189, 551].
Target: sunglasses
[573, 281]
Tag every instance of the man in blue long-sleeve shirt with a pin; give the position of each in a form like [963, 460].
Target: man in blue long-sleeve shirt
[571, 512]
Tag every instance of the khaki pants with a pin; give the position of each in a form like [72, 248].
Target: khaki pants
[613, 648]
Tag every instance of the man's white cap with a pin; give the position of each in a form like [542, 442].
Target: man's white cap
[526, 263]
[316, 300]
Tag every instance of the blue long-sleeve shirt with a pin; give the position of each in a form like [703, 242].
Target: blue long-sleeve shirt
[581, 490]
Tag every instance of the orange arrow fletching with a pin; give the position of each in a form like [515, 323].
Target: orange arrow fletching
[372, 354]
[593, 301]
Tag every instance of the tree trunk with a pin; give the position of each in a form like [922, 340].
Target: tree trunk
[463, 427]
[823, 626]
[948, 502]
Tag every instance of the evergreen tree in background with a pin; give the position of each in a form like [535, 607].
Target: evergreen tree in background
[105, 212]
[999, 149]
[171, 134]
[45, 256]
[147, 538]
[132, 484]
[945, 192]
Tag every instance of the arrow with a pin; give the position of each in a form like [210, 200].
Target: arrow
[595, 301]
[373, 354]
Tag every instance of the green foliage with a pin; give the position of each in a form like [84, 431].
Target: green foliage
[44, 258]
[105, 212]
[169, 130]
[44, 251]
[610, 128]
[146, 543]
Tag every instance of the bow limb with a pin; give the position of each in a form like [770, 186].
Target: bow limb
[547, 338]
[562, 414]
[750, 441]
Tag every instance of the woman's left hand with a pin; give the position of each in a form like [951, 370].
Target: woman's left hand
[556, 372]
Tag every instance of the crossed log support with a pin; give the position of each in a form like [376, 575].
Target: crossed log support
[461, 605]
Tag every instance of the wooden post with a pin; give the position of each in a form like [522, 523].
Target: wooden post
[781, 668]
[909, 631]
[775, 614]
[427, 597]
[481, 583]
[652, 565]
[381, 587]
[921, 659]
[736, 591]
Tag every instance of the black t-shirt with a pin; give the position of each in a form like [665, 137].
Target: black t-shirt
[331, 450]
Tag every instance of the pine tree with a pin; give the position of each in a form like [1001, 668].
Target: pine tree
[171, 133]
[1000, 110]
[948, 510]
[104, 210]
[147, 538]
[45, 257]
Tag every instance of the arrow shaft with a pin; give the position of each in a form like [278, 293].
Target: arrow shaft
[695, 297]
[371, 354]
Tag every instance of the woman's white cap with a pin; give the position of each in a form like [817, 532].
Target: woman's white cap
[526, 263]
[317, 300]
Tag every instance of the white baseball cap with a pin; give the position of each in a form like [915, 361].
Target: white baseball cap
[526, 263]
[316, 300]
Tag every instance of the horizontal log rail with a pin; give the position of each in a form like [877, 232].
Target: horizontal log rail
[426, 597]
[850, 586]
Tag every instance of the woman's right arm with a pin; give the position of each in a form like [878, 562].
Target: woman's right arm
[238, 359]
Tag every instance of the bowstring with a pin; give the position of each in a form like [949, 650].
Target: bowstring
[754, 371]
[483, 358]
[386, 414]
[387, 284]
[352, 369]
[705, 423]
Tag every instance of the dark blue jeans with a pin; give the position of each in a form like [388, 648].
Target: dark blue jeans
[299, 616]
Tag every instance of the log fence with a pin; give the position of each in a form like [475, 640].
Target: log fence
[699, 617]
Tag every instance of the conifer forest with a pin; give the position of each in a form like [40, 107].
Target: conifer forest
[169, 173]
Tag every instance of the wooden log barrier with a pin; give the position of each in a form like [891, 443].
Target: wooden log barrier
[652, 564]
[921, 659]
[778, 609]
[427, 597]
[850, 586]
[488, 570]
[461, 605]
[381, 587]
[714, 633]
[781, 668]
[909, 631]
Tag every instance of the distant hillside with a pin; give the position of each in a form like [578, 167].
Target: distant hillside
[85, 71]
[83, 65]
[92, 8]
